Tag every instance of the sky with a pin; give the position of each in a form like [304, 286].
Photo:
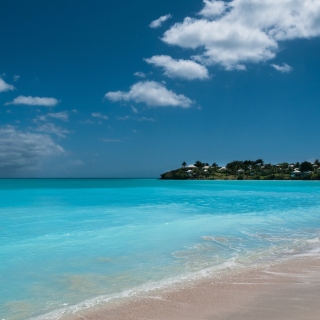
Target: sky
[131, 89]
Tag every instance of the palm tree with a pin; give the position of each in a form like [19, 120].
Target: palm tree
[199, 164]
[184, 164]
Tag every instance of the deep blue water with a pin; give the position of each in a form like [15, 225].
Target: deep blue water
[65, 241]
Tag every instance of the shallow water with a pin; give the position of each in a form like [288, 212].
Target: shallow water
[66, 241]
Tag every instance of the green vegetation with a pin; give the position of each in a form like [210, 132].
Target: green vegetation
[246, 170]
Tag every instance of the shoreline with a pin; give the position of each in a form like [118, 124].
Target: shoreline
[284, 290]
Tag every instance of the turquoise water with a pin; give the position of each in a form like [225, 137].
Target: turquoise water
[69, 243]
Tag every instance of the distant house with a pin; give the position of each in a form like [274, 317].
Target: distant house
[191, 166]
[240, 171]
[296, 173]
[223, 169]
[205, 168]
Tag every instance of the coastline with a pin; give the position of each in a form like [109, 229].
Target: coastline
[285, 290]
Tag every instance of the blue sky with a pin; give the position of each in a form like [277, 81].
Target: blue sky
[134, 88]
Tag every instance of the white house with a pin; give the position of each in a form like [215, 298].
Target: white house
[295, 173]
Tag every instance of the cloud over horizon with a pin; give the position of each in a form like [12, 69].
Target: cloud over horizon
[184, 69]
[24, 150]
[153, 94]
[241, 31]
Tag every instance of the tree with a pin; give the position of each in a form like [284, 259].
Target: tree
[184, 164]
[284, 165]
[199, 164]
[214, 165]
[306, 166]
[234, 165]
[259, 162]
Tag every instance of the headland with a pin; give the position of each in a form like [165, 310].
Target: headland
[246, 170]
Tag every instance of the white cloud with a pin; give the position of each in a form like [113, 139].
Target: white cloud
[149, 119]
[99, 115]
[40, 118]
[184, 69]
[213, 8]
[63, 116]
[153, 94]
[245, 31]
[53, 129]
[157, 23]
[285, 68]
[24, 150]
[5, 86]
[139, 74]
[16, 78]
[34, 101]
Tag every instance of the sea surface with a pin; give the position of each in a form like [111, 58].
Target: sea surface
[67, 244]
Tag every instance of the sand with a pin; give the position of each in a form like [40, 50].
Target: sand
[288, 290]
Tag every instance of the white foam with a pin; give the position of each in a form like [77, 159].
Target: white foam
[167, 283]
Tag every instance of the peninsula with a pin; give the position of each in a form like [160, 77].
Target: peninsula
[246, 170]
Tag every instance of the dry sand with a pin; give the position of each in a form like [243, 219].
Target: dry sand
[285, 291]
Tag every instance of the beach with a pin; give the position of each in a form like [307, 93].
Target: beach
[282, 291]
[154, 249]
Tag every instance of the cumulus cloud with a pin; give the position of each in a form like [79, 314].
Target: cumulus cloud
[285, 68]
[213, 8]
[34, 101]
[53, 129]
[153, 94]
[158, 22]
[99, 115]
[24, 150]
[184, 69]
[5, 86]
[244, 31]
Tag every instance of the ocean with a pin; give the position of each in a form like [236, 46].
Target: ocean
[70, 244]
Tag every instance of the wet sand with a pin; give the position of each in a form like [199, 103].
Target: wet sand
[284, 291]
